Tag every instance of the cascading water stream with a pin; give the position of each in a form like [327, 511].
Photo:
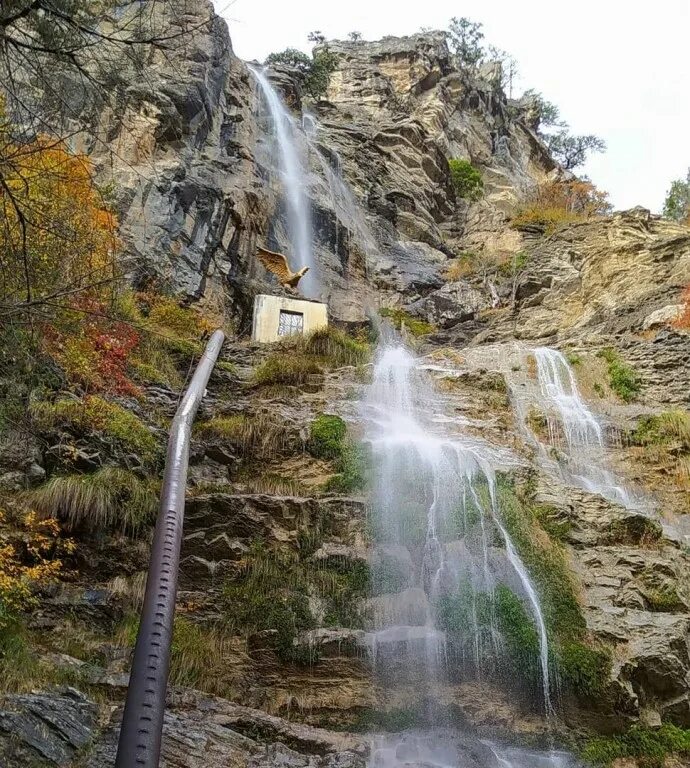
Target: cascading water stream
[294, 184]
[437, 520]
[568, 415]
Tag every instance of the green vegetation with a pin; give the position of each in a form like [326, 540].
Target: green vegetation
[622, 378]
[583, 667]
[287, 370]
[467, 180]
[517, 627]
[334, 348]
[198, 655]
[327, 437]
[677, 202]
[353, 470]
[316, 71]
[271, 591]
[110, 498]
[399, 317]
[259, 436]
[388, 721]
[650, 746]
[94, 414]
[666, 440]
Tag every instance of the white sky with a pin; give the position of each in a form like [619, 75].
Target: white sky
[617, 69]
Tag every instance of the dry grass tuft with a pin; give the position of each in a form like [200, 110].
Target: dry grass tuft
[109, 499]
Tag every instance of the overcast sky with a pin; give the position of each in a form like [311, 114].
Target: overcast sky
[618, 69]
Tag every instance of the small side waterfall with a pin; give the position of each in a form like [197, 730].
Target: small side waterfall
[441, 550]
[572, 424]
[294, 183]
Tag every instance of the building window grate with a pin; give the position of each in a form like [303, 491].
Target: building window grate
[290, 323]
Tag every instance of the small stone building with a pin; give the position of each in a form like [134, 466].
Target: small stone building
[278, 316]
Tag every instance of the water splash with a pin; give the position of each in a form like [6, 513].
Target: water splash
[294, 181]
[436, 507]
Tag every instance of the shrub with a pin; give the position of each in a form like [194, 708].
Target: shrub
[400, 318]
[94, 414]
[289, 370]
[316, 71]
[622, 378]
[561, 202]
[650, 746]
[677, 202]
[352, 467]
[32, 555]
[110, 498]
[327, 436]
[467, 180]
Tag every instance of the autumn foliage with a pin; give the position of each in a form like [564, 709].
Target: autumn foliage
[30, 554]
[562, 202]
[683, 321]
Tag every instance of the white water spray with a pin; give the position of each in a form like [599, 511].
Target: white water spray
[441, 481]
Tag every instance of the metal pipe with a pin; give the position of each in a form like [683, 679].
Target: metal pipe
[142, 721]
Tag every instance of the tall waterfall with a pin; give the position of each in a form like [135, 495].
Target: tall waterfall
[442, 553]
[294, 180]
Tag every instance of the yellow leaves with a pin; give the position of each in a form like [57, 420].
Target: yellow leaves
[56, 232]
[30, 554]
[562, 202]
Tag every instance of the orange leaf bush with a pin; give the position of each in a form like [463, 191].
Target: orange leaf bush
[562, 202]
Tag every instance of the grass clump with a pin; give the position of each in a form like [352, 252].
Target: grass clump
[352, 467]
[94, 414]
[287, 370]
[335, 348]
[622, 378]
[650, 746]
[259, 436]
[400, 318]
[198, 654]
[327, 435]
[666, 440]
[110, 498]
[466, 179]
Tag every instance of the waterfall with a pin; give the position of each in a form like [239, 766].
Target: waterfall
[568, 416]
[294, 184]
[436, 523]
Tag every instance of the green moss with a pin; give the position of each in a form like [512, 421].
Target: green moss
[517, 627]
[546, 564]
[622, 378]
[327, 435]
[291, 370]
[466, 179]
[650, 746]
[399, 317]
[94, 414]
[584, 669]
[552, 522]
[353, 470]
[388, 721]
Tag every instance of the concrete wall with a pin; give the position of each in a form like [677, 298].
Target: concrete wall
[267, 316]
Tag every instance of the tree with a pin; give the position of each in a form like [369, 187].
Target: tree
[316, 71]
[465, 38]
[677, 202]
[291, 57]
[549, 114]
[316, 37]
[509, 67]
[355, 37]
[571, 151]
[466, 179]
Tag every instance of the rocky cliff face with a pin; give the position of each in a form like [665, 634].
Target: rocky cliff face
[185, 148]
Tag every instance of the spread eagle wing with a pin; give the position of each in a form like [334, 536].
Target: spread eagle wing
[275, 262]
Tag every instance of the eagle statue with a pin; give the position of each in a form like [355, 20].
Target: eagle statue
[278, 264]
